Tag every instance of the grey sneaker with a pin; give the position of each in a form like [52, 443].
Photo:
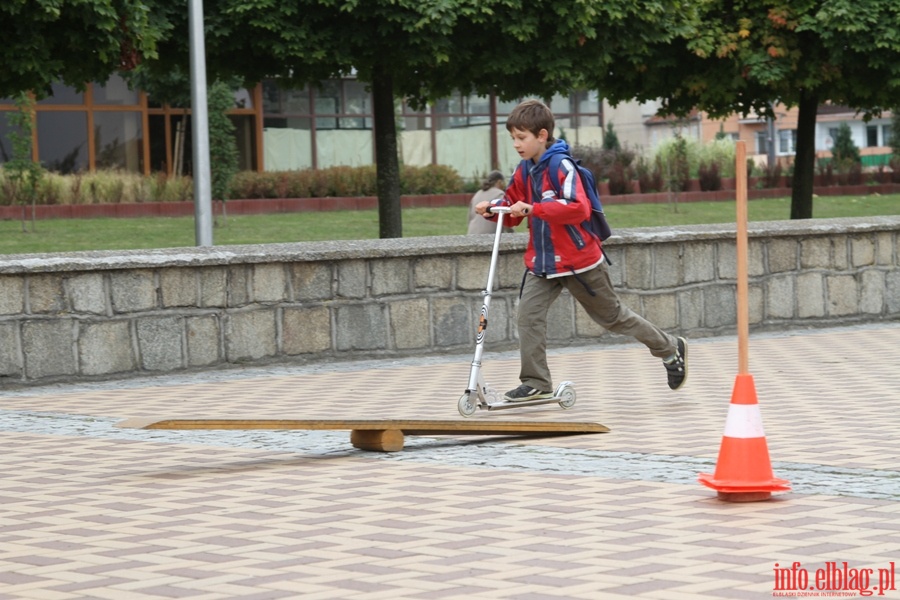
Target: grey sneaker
[525, 392]
[677, 367]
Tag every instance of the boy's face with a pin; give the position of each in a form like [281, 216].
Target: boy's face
[528, 145]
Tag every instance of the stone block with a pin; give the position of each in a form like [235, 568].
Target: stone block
[726, 262]
[306, 330]
[668, 267]
[843, 294]
[780, 294]
[638, 267]
[361, 327]
[160, 343]
[872, 288]
[755, 305]
[352, 279]
[12, 294]
[510, 270]
[810, 295]
[46, 294]
[453, 320]
[698, 263]
[238, 286]
[10, 351]
[841, 252]
[391, 276]
[886, 245]
[311, 281]
[434, 273]
[87, 294]
[133, 291]
[48, 347]
[472, 272]
[892, 292]
[269, 283]
[213, 287]
[250, 335]
[690, 308]
[178, 287]
[661, 310]
[782, 255]
[862, 251]
[815, 253]
[720, 304]
[410, 324]
[105, 348]
[203, 336]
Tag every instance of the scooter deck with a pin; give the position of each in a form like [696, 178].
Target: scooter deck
[382, 435]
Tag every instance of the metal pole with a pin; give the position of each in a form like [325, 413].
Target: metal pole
[770, 145]
[743, 311]
[200, 127]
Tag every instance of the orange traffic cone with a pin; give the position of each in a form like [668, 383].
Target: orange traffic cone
[743, 471]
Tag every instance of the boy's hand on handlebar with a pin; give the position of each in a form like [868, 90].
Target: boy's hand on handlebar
[482, 207]
[520, 209]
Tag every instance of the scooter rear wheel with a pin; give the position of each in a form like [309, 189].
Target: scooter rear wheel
[467, 405]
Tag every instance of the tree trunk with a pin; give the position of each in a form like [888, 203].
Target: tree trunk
[387, 161]
[805, 157]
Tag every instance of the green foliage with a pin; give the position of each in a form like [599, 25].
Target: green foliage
[22, 174]
[343, 181]
[602, 162]
[676, 156]
[844, 149]
[223, 151]
[895, 133]
[610, 139]
[649, 175]
[45, 41]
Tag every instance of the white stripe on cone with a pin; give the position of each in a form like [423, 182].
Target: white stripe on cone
[744, 421]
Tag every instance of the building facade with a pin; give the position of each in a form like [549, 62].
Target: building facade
[109, 126]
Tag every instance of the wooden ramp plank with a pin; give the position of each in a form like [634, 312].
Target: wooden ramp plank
[377, 435]
[407, 426]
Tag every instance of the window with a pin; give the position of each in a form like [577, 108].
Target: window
[887, 134]
[114, 91]
[63, 140]
[762, 145]
[787, 141]
[871, 135]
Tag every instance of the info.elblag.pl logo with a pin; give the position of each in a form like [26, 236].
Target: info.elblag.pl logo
[834, 579]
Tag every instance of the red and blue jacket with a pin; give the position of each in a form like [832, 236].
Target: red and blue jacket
[558, 244]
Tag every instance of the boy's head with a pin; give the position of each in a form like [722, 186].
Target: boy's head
[533, 116]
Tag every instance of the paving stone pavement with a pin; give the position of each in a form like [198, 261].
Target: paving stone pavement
[90, 510]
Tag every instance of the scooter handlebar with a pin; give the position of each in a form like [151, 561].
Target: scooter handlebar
[498, 209]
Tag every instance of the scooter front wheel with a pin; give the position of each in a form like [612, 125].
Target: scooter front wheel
[566, 395]
[467, 404]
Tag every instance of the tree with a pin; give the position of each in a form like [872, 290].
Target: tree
[844, 150]
[739, 56]
[23, 174]
[420, 50]
[610, 139]
[45, 41]
[223, 152]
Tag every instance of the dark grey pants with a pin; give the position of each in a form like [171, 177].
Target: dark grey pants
[538, 293]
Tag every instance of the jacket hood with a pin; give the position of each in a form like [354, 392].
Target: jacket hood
[558, 147]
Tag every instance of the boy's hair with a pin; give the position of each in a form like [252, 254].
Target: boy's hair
[532, 115]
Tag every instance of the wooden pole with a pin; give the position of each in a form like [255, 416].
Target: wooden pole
[743, 310]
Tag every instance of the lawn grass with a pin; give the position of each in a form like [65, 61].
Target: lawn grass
[67, 235]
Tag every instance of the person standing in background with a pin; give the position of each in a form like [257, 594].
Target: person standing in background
[491, 188]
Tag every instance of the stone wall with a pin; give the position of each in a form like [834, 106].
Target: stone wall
[100, 315]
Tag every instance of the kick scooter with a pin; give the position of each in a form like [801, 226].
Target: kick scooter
[478, 394]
